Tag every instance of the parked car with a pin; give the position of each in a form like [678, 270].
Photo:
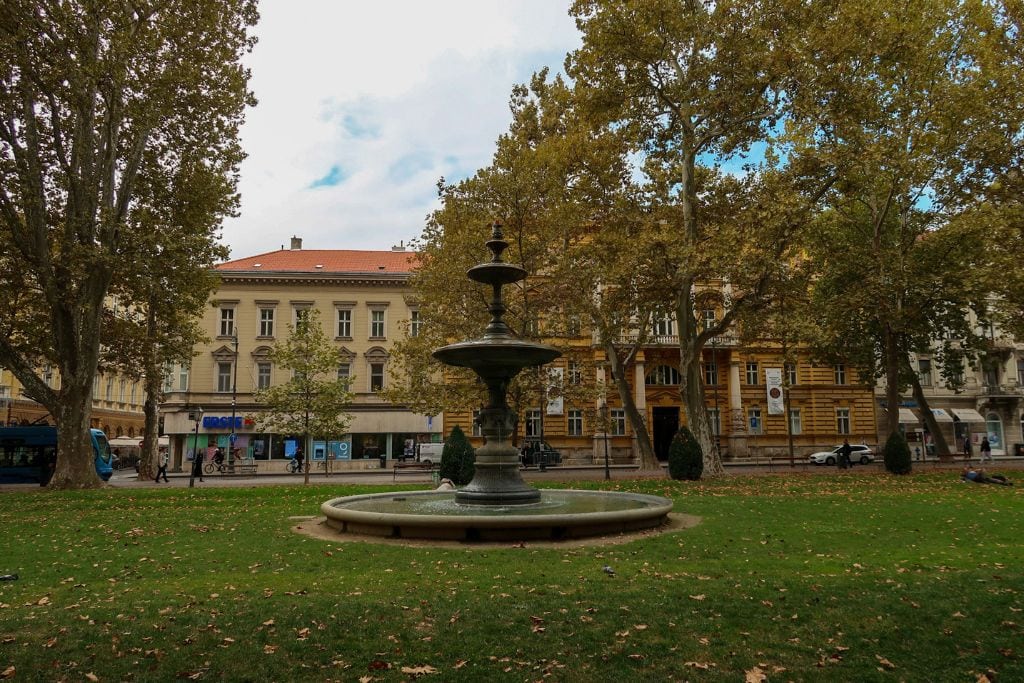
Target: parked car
[858, 453]
[537, 452]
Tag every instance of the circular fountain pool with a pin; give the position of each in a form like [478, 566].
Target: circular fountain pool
[560, 514]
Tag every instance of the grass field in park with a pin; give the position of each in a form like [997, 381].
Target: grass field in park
[793, 577]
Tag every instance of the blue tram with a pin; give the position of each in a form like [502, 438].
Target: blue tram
[28, 454]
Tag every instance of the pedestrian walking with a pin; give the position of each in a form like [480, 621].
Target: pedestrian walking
[845, 451]
[967, 448]
[985, 449]
[161, 470]
[197, 465]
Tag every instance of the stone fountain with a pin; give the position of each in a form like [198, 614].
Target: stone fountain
[497, 504]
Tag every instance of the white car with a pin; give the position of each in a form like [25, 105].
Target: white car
[858, 453]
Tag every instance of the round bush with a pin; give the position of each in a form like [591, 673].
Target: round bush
[896, 454]
[685, 457]
[458, 458]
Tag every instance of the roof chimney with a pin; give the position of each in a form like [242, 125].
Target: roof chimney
[398, 247]
[296, 243]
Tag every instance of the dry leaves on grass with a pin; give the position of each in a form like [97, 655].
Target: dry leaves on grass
[419, 670]
[8, 672]
[754, 675]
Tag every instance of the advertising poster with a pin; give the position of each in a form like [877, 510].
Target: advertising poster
[773, 385]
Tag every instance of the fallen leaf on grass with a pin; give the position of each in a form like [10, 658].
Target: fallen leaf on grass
[269, 649]
[92, 677]
[698, 597]
[8, 672]
[459, 663]
[885, 662]
[754, 675]
[419, 670]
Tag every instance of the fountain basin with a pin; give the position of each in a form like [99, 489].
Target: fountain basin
[560, 514]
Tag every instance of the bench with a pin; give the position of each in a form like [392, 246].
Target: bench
[241, 468]
[412, 467]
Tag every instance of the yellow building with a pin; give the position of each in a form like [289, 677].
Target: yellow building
[825, 404]
[116, 403]
[362, 299]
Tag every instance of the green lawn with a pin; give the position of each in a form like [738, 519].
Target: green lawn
[817, 577]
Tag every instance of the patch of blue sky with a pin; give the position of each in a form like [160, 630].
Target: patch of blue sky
[333, 177]
[358, 128]
[409, 165]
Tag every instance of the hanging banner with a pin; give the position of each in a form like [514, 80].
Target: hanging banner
[773, 384]
[555, 402]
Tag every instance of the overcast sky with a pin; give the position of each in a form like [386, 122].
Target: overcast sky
[364, 105]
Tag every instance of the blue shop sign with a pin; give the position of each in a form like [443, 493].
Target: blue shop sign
[223, 422]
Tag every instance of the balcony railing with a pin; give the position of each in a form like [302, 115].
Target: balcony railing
[673, 340]
[1012, 390]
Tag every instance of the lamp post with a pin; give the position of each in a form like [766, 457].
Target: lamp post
[604, 428]
[196, 458]
[234, 394]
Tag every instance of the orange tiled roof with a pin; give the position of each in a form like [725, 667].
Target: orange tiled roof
[331, 260]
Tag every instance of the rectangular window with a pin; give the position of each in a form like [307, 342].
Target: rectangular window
[575, 373]
[533, 423]
[266, 322]
[843, 420]
[711, 373]
[168, 378]
[618, 417]
[791, 374]
[345, 323]
[1020, 371]
[377, 324]
[302, 315]
[263, 375]
[414, 324]
[795, 422]
[122, 390]
[227, 322]
[715, 416]
[110, 389]
[183, 377]
[96, 387]
[839, 370]
[345, 371]
[376, 376]
[754, 420]
[135, 386]
[924, 371]
[573, 325]
[478, 429]
[224, 377]
[752, 373]
[709, 318]
[575, 423]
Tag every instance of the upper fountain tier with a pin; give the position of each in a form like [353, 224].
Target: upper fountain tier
[499, 353]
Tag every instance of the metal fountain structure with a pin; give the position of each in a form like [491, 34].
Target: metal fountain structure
[497, 357]
[497, 505]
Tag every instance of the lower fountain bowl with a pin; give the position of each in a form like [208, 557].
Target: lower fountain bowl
[560, 514]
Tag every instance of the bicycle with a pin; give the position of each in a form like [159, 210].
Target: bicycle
[209, 467]
[293, 466]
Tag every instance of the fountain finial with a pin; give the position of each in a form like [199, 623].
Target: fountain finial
[497, 243]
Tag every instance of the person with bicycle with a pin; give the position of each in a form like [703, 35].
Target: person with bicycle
[299, 459]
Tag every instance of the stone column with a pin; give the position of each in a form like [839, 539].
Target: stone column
[737, 440]
[597, 456]
[639, 397]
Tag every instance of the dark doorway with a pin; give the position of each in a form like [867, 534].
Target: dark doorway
[666, 424]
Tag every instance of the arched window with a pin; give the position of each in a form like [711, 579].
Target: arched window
[663, 375]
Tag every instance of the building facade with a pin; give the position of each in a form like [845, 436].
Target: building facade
[749, 391]
[363, 301]
[116, 403]
[987, 403]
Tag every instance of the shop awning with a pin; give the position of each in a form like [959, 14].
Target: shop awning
[907, 417]
[941, 415]
[968, 415]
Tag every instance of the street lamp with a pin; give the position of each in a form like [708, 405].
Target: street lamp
[234, 394]
[196, 459]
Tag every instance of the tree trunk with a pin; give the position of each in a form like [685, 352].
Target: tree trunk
[150, 408]
[691, 388]
[76, 467]
[648, 459]
[941, 447]
[892, 383]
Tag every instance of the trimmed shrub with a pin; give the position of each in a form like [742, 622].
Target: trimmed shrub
[896, 454]
[685, 457]
[458, 458]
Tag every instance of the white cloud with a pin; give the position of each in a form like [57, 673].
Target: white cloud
[395, 94]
